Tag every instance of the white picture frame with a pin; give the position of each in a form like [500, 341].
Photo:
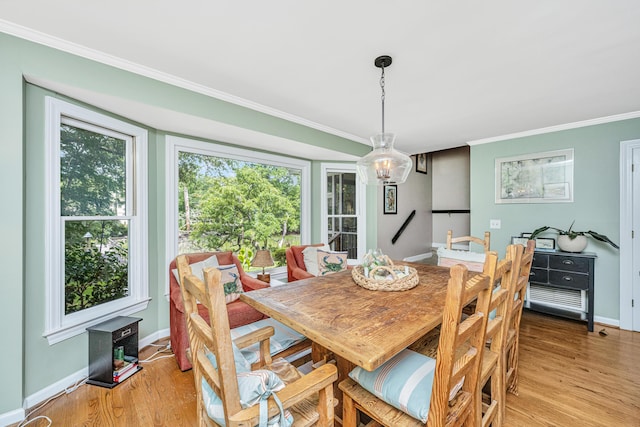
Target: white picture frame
[545, 177]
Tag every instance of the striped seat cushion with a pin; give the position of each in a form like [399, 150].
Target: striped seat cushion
[283, 338]
[404, 382]
[253, 386]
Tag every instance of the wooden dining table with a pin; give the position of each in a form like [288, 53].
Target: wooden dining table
[354, 325]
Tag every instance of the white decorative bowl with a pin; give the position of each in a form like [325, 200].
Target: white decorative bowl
[572, 245]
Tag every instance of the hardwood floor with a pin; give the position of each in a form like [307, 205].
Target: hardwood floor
[568, 377]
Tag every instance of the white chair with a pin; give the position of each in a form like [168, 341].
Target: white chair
[474, 261]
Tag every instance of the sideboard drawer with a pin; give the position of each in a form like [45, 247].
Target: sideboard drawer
[539, 275]
[540, 260]
[566, 279]
[568, 263]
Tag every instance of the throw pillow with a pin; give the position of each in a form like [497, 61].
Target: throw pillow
[230, 280]
[197, 267]
[310, 257]
[331, 262]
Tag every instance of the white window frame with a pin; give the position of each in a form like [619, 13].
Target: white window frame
[361, 202]
[58, 325]
[176, 144]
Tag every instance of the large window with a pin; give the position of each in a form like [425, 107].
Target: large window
[96, 220]
[343, 222]
[231, 199]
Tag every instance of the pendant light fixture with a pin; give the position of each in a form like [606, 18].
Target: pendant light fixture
[384, 165]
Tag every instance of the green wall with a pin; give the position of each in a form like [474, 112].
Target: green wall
[596, 204]
[35, 364]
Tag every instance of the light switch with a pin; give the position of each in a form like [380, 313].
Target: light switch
[495, 223]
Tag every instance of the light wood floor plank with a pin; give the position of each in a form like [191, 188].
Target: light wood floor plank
[568, 377]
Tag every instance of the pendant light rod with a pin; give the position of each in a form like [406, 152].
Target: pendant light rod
[382, 62]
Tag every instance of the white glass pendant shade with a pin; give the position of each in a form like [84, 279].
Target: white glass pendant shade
[384, 165]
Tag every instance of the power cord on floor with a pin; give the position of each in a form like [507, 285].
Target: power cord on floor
[67, 390]
[155, 356]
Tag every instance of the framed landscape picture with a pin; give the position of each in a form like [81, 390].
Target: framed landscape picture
[545, 177]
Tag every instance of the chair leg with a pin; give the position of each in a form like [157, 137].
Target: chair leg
[325, 407]
[512, 369]
[349, 412]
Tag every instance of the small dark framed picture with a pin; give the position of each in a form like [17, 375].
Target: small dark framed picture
[545, 243]
[421, 163]
[515, 240]
[390, 199]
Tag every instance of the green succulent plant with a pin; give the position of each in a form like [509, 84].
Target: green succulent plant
[573, 234]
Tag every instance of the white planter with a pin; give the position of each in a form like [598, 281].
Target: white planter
[572, 245]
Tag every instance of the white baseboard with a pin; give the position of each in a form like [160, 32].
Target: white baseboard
[419, 257]
[607, 321]
[57, 387]
[11, 417]
[157, 335]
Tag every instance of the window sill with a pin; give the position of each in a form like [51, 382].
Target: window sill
[66, 332]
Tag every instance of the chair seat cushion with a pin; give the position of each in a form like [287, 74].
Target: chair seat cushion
[405, 382]
[283, 338]
[253, 387]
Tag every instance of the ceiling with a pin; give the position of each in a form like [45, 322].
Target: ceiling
[462, 71]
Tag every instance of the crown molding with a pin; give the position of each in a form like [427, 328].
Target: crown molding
[123, 64]
[557, 128]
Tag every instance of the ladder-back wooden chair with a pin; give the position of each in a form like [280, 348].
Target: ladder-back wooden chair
[515, 315]
[222, 376]
[492, 378]
[474, 261]
[485, 243]
[447, 385]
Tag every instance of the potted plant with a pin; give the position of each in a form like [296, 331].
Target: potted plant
[571, 240]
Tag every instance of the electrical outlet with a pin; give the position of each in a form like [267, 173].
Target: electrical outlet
[495, 223]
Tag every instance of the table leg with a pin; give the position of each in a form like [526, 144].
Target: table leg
[320, 355]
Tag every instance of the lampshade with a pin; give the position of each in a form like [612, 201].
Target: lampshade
[262, 259]
[384, 165]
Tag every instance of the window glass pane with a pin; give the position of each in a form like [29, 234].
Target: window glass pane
[330, 193]
[348, 194]
[92, 173]
[227, 204]
[341, 201]
[96, 268]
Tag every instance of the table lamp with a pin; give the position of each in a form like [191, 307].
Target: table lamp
[263, 259]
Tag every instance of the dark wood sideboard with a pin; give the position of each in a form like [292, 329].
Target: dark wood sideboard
[562, 284]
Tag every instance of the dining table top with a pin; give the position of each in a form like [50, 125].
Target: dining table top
[363, 326]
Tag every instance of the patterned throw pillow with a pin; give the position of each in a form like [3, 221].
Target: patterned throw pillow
[231, 282]
[310, 257]
[331, 262]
